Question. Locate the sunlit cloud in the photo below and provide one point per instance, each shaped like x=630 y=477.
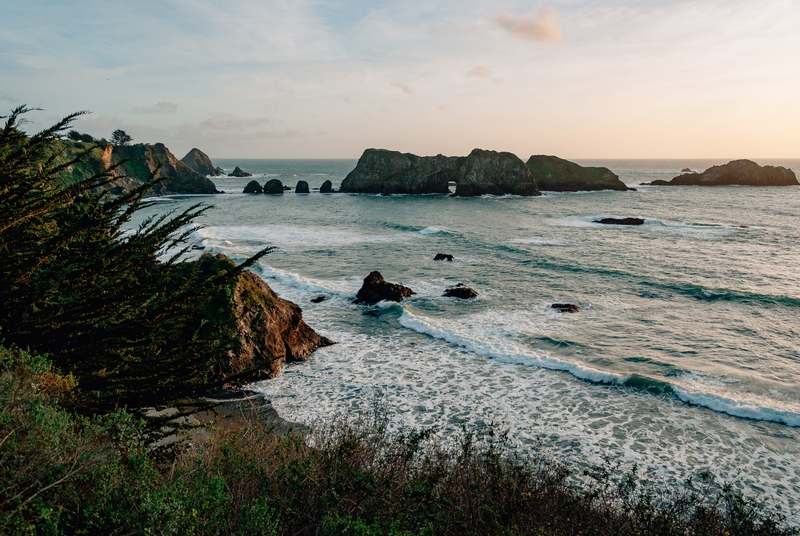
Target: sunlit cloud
x=229 y=122
x=404 y=88
x=541 y=26
x=159 y=108
x=482 y=71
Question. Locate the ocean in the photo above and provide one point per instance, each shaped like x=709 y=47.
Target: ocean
x=684 y=359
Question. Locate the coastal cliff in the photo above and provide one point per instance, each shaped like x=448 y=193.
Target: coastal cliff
x=137 y=162
x=737 y=172
x=479 y=173
x=558 y=175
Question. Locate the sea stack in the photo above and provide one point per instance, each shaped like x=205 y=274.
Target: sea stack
x=737 y=172
x=301 y=188
x=238 y=172
x=375 y=288
x=380 y=171
x=200 y=162
x=558 y=175
x=273 y=187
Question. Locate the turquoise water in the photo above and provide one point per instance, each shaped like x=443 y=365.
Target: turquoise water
x=685 y=358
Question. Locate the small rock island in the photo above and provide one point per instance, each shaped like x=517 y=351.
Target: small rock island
x=555 y=174
x=737 y=172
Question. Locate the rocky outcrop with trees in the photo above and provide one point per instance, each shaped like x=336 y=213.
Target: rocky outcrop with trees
x=380 y=171
x=558 y=175
x=737 y=172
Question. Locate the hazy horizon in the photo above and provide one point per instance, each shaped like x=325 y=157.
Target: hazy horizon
x=621 y=79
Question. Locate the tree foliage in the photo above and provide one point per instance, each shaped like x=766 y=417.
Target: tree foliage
x=116 y=308
x=120 y=137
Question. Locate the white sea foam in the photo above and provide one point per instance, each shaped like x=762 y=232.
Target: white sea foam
x=539 y=241
x=738 y=408
x=502 y=349
x=433 y=230
x=291 y=237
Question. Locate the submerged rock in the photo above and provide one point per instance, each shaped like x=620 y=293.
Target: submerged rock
x=559 y=175
x=318 y=299
x=460 y=291
x=301 y=188
x=620 y=221
x=443 y=257
x=737 y=172
x=253 y=188
x=686 y=170
x=200 y=162
x=567 y=307
x=237 y=172
x=326 y=188
x=376 y=289
x=481 y=172
x=273 y=186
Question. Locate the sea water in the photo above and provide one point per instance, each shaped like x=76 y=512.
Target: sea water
x=685 y=357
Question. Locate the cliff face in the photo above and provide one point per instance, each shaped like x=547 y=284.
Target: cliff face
x=737 y=172
x=558 y=175
x=269 y=331
x=482 y=172
x=200 y=162
x=141 y=161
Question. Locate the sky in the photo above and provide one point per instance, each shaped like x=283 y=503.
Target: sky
x=328 y=79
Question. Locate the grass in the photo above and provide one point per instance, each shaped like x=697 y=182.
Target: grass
x=65 y=474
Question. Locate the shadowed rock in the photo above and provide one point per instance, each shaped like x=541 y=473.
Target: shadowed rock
x=620 y=221
x=567 y=307
x=376 y=289
x=558 y=175
x=200 y=162
x=326 y=188
x=443 y=257
x=481 y=172
x=273 y=186
x=253 y=188
x=318 y=299
x=737 y=172
x=237 y=172
x=301 y=188
x=460 y=291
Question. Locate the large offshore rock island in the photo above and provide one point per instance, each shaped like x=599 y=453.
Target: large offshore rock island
x=135 y=164
x=737 y=172
x=380 y=171
x=558 y=175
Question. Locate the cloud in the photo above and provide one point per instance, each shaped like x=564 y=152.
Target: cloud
x=159 y=108
x=7 y=98
x=229 y=122
x=482 y=71
x=404 y=88
x=542 y=26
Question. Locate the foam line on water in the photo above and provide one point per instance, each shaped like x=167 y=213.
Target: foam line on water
x=506 y=352
x=736 y=408
x=291 y=237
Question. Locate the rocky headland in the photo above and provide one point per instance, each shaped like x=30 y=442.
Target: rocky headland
x=201 y=163
x=269 y=330
x=135 y=165
x=737 y=172
x=558 y=175
x=380 y=171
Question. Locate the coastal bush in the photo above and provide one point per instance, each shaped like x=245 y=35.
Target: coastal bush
x=114 y=307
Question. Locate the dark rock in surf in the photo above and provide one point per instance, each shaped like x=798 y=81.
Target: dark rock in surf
x=253 y=188
x=318 y=299
x=460 y=291
x=686 y=170
x=219 y=171
x=237 y=172
x=567 y=307
x=620 y=221
x=287 y=188
x=558 y=175
x=443 y=257
x=273 y=186
x=326 y=188
x=737 y=172
x=301 y=188
x=376 y=289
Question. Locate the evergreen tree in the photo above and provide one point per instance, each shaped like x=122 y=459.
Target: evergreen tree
x=117 y=309
x=120 y=138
